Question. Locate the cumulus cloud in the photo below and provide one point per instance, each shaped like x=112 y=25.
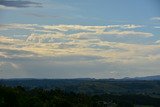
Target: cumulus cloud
x=46 y=38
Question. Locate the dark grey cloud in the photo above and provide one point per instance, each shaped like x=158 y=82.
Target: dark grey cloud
x=19 y=4
x=7 y=53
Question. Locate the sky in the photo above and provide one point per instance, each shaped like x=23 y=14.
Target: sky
x=79 y=38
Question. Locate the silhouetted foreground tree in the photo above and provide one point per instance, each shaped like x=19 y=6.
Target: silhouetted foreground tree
x=20 y=97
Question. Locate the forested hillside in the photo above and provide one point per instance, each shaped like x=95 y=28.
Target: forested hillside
x=20 y=97
x=90 y=86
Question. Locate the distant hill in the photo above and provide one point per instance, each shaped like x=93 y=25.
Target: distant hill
x=91 y=86
x=155 y=77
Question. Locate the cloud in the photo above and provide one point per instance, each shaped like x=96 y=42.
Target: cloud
x=100 y=30
x=46 y=38
x=18 y=26
x=78 y=40
x=157 y=42
x=67 y=27
x=75 y=52
x=2 y=7
x=89 y=28
x=157 y=27
x=124 y=33
x=63 y=45
x=19 y=4
x=11 y=53
x=156 y=18
x=112 y=33
x=80 y=30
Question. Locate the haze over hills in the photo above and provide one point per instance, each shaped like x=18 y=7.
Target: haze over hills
x=155 y=77
x=152 y=77
x=149 y=84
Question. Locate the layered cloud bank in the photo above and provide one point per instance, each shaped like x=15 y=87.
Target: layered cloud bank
x=70 y=51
